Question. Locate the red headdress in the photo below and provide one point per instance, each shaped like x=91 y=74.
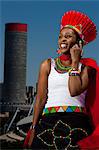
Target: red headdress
x=81 y=23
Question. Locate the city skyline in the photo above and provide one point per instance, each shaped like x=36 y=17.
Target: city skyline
x=43 y=20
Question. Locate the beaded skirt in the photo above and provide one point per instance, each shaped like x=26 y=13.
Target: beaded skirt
x=61 y=131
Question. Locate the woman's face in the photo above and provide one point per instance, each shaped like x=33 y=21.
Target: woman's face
x=67 y=38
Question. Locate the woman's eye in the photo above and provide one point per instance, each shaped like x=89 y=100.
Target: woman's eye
x=59 y=36
x=68 y=36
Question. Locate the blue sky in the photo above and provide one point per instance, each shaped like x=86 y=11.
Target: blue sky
x=43 y=19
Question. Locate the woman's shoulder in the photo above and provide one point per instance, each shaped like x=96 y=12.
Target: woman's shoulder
x=46 y=62
x=46 y=65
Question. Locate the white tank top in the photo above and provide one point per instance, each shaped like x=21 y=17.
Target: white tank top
x=58 y=91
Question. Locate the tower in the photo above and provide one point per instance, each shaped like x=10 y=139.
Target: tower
x=14 y=65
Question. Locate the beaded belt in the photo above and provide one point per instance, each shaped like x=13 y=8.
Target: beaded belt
x=63 y=109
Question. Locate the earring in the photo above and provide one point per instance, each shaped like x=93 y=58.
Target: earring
x=59 y=52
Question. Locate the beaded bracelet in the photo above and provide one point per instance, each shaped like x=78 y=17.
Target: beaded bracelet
x=74 y=74
x=33 y=127
x=74 y=69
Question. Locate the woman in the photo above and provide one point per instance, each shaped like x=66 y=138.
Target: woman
x=60 y=117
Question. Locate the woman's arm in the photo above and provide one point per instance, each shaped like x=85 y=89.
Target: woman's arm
x=41 y=90
x=78 y=84
x=40 y=100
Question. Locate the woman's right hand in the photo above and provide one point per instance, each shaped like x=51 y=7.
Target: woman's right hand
x=29 y=138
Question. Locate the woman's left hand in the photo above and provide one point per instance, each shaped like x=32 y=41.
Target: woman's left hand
x=75 y=52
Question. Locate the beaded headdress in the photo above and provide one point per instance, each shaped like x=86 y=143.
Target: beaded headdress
x=81 y=23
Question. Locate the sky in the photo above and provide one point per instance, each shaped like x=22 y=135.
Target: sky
x=43 y=20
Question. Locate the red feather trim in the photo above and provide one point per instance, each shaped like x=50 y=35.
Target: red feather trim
x=27 y=138
x=77 y=19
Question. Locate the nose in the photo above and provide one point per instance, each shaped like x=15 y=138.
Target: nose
x=64 y=40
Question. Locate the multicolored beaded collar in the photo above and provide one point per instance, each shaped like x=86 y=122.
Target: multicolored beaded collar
x=59 y=66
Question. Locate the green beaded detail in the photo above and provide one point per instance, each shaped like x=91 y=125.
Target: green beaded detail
x=61 y=68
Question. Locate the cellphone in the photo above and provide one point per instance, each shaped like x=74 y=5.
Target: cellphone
x=79 y=41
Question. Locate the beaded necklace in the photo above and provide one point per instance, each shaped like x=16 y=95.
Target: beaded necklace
x=61 y=68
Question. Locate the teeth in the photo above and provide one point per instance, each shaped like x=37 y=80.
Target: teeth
x=63 y=45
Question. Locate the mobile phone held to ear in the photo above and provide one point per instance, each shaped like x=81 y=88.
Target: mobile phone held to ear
x=80 y=42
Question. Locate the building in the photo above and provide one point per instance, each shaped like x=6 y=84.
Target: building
x=30 y=94
x=14 y=85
